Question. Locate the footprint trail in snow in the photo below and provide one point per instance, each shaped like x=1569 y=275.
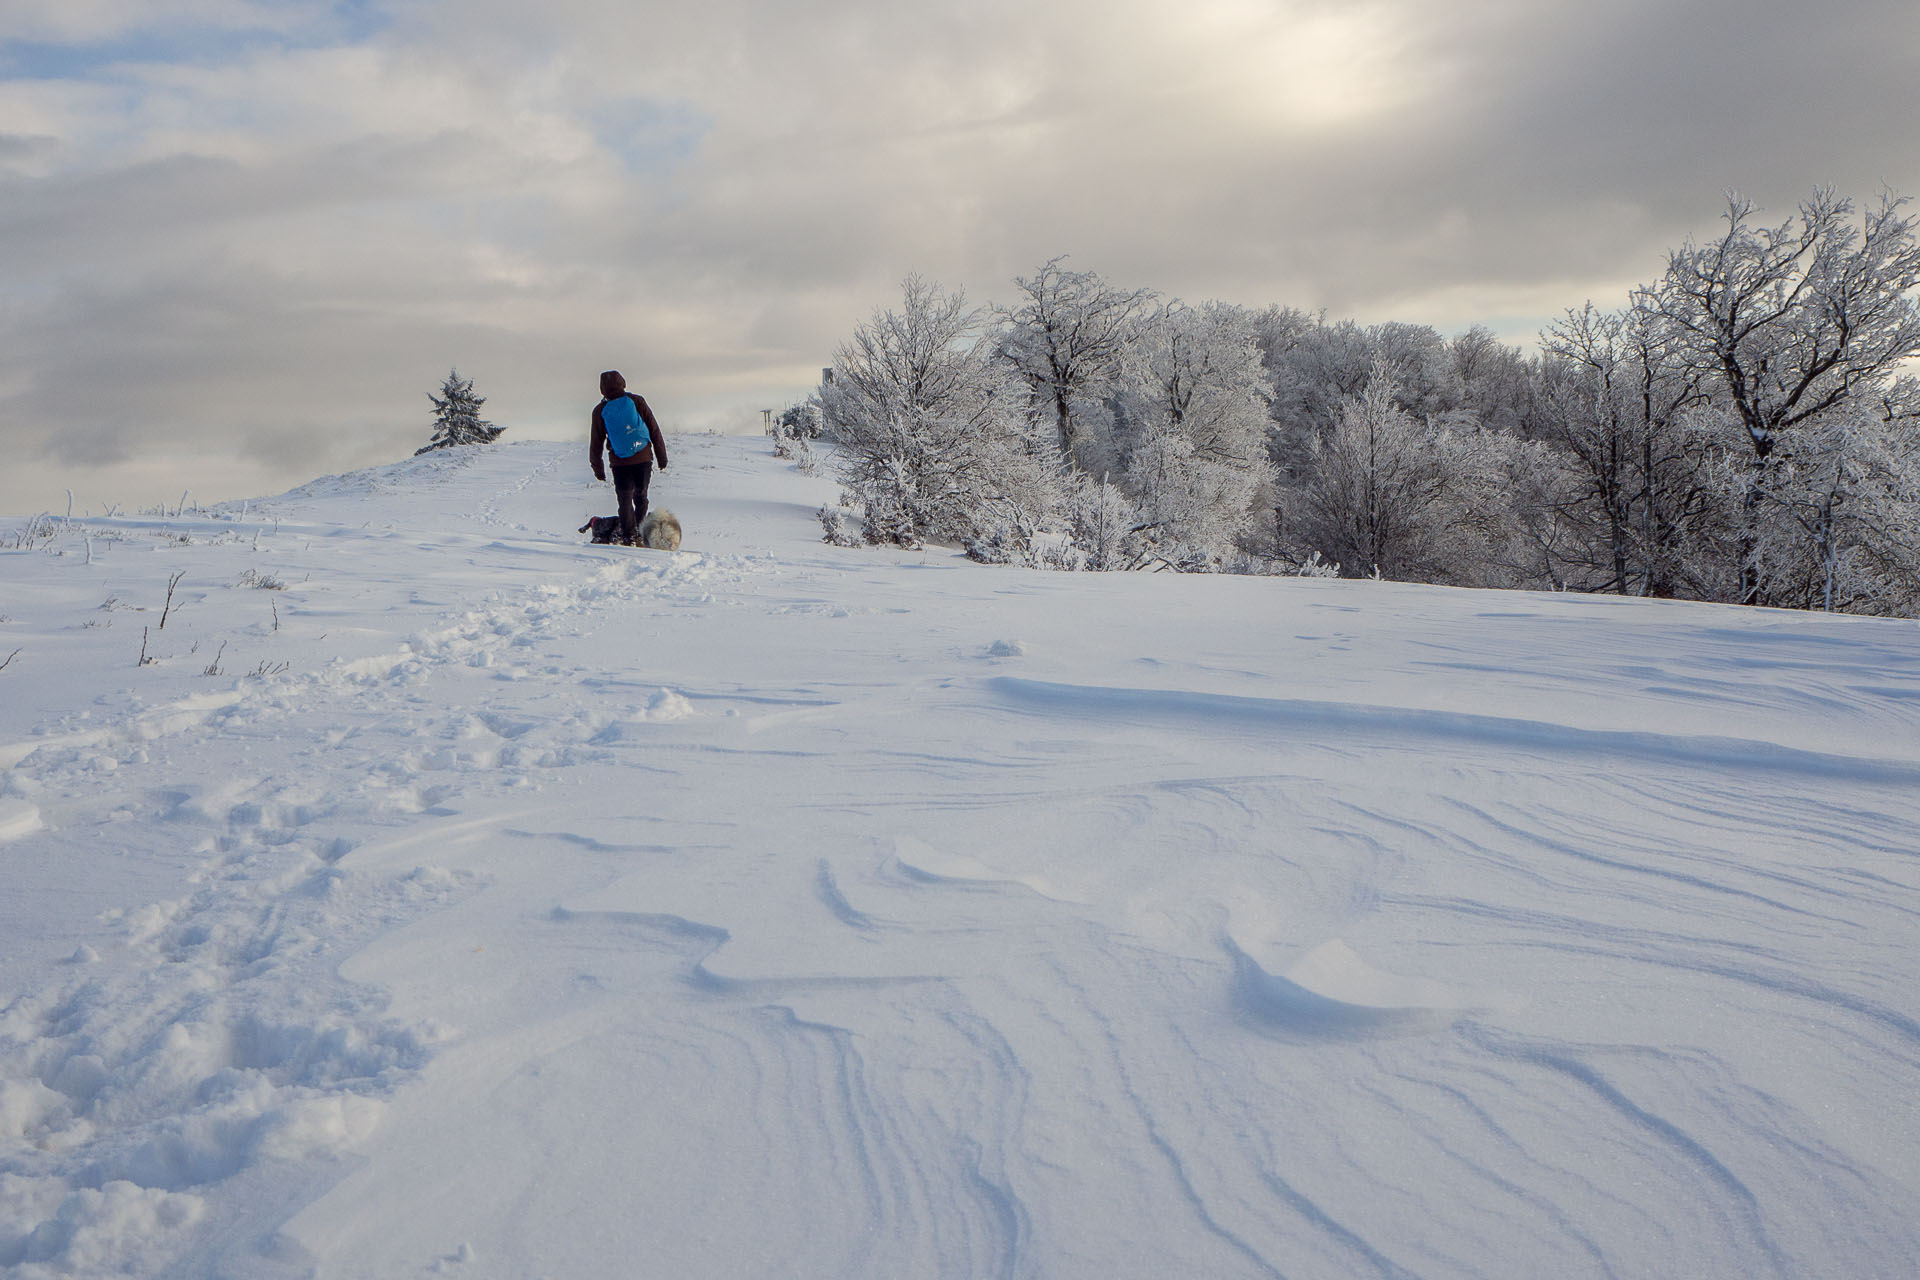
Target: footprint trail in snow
x=772 y=908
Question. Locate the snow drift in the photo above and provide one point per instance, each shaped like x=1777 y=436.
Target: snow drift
x=444 y=894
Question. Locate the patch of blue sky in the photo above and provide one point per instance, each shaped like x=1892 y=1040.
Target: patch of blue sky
x=279 y=25
x=649 y=136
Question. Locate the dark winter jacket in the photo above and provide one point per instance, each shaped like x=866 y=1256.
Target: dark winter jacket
x=654 y=453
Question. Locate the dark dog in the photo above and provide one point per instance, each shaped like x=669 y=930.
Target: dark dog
x=659 y=530
x=603 y=528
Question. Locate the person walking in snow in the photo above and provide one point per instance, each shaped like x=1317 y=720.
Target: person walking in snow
x=625 y=427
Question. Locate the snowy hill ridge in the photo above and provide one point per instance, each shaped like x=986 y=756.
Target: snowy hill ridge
x=445 y=895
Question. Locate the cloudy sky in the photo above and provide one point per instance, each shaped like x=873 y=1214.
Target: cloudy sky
x=240 y=239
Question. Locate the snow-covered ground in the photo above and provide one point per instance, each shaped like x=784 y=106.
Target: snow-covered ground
x=449 y=896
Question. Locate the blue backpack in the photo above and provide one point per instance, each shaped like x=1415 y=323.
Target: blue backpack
x=626 y=433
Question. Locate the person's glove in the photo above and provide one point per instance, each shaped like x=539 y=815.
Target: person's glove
x=599 y=473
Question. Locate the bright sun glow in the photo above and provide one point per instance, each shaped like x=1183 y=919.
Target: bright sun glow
x=1311 y=68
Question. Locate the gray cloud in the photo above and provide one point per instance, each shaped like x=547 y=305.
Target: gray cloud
x=257 y=266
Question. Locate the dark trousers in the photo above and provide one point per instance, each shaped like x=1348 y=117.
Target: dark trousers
x=630 y=483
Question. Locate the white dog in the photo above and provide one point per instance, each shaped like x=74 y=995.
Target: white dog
x=660 y=530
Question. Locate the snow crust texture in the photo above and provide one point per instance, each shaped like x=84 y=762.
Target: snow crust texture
x=446 y=896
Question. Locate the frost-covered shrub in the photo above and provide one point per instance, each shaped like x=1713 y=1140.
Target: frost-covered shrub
x=1314 y=567
x=837 y=526
x=793 y=430
x=802 y=421
x=1026 y=518
x=799 y=452
x=1103 y=521
x=1006 y=539
x=893 y=512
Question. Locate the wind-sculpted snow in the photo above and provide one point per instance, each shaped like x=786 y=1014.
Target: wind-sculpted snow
x=506 y=906
x=1386 y=725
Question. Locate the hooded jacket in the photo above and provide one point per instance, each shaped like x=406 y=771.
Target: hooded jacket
x=655 y=452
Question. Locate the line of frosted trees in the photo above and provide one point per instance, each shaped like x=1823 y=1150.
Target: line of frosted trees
x=1740 y=430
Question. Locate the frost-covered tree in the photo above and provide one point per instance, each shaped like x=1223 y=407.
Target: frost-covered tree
x=456 y=416
x=1526 y=531
x=1104 y=526
x=1026 y=517
x=1314 y=368
x=921 y=411
x=1390 y=495
x=1492 y=381
x=1849 y=487
x=1718 y=438
x=1191 y=439
x=1066 y=339
x=1789 y=323
x=1613 y=397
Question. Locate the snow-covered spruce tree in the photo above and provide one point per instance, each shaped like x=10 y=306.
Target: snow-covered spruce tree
x=1191 y=440
x=1786 y=324
x=456 y=416
x=922 y=413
